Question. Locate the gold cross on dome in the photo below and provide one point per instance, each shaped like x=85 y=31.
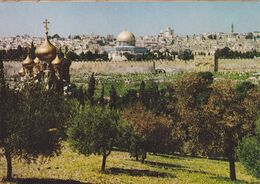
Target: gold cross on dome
x=46 y=22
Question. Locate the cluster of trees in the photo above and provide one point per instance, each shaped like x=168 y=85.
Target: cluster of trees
x=227 y=53
x=87 y=56
x=152 y=55
x=251 y=36
x=193 y=116
x=186 y=55
x=16 y=54
x=164 y=55
x=212 y=36
x=171 y=55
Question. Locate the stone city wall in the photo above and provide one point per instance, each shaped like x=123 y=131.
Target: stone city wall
x=199 y=64
x=240 y=65
x=129 y=67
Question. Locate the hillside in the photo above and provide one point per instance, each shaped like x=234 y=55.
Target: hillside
x=71 y=168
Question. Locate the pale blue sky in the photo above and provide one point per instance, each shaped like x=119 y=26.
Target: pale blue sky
x=140 y=18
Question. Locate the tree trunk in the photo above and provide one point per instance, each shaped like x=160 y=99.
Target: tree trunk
x=136 y=155
x=143 y=157
x=9 y=165
x=104 y=163
x=215 y=62
x=232 y=168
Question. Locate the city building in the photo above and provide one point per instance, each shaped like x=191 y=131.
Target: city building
x=125 y=45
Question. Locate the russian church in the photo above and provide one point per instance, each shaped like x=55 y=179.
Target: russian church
x=49 y=66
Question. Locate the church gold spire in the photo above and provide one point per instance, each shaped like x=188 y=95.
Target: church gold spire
x=46 y=22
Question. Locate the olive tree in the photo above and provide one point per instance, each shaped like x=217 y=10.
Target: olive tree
x=32 y=122
x=95 y=130
x=190 y=122
x=150 y=132
x=232 y=112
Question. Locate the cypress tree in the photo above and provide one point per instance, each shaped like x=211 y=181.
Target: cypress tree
x=32 y=51
x=2 y=79
x=101 y=99
x=91 y=89
x=142 y=92
x=2 y=89
x=81 y=96
x=113 y=97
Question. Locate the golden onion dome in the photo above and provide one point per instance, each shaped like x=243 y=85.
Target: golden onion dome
x=125 y=36
x=46 y=51
x=37 y=60
x=56 y=61
x=27 y=62
x=21 y=72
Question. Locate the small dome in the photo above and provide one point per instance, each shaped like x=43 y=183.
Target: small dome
x=36 y=60
x=46 y=51
x=21 y=72
x=56 y=61
x=27 y=62
x=126 y=36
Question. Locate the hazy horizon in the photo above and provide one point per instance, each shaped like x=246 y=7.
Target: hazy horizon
x=140 y=18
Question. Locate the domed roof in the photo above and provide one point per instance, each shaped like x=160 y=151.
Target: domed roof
x=27 y=62
x=46 y=51
x=56 y=61
x=125 y=36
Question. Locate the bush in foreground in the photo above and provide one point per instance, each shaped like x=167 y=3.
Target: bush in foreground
x=249 y=152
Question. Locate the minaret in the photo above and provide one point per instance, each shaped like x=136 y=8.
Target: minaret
x=232 y=28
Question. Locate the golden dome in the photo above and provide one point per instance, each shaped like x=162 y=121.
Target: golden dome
x=27 y=62
x=56 y=61
x=126 y=36
x=21 y=72
x=37 y=60
x=46 y=51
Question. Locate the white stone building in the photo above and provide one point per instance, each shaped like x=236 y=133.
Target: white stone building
x=125 y=43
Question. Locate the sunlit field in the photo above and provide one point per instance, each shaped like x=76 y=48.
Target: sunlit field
x=72 y=168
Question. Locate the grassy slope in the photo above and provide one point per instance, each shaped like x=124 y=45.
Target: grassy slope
x=72 y=168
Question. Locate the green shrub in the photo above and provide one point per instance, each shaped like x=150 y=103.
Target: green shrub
x=249 y=152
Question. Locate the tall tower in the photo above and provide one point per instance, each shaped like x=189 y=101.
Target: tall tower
x=232 y=28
